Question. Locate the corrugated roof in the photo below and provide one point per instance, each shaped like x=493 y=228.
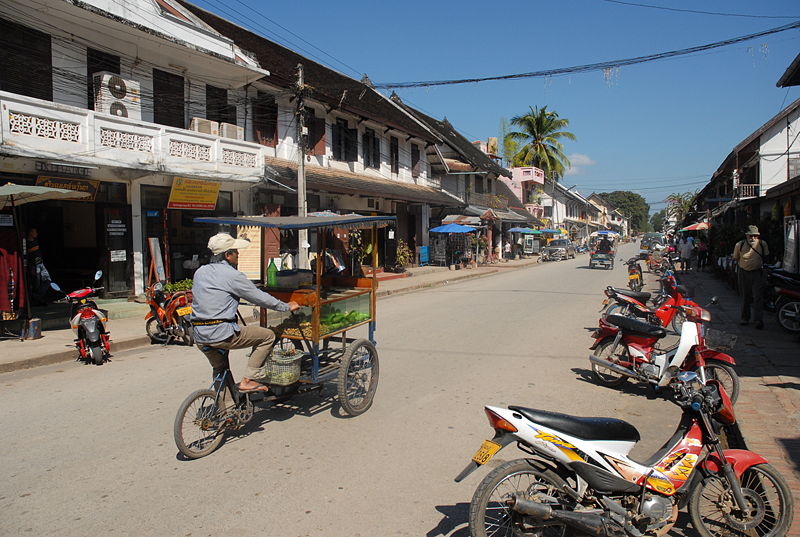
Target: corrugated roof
x=301 y=222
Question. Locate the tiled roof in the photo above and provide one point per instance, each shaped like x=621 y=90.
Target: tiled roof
x=334 y=89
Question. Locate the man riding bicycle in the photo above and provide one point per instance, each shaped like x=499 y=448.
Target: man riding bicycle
x=217 y=288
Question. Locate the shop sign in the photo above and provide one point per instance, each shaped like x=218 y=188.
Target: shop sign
x=250 y=258
x=119 y=255
x=193 y=194
x=6 y=220
x=78 y=185
x=116 y=228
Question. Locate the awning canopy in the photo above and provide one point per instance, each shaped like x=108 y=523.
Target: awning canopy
x=491 y=213
x=301 y=222
x=452 y=228
x=14 y=194
x=696 y=227
x=461 y=219
x=525 y=231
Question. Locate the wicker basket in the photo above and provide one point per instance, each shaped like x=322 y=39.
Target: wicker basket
x=717 y=339
x=283 y=366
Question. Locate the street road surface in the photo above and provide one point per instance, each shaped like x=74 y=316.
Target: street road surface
x=89 y=450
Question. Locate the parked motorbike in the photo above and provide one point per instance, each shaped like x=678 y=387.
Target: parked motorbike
x=627 y=348
x=168 y=318
x=783 y=297
x=88 y=322
x=579 y=475
x=635 y=280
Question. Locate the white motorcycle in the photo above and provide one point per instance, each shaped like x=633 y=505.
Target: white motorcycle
x=579 y=476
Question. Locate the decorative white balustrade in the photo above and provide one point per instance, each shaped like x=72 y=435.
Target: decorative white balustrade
x=45 y=130
x=747 y=191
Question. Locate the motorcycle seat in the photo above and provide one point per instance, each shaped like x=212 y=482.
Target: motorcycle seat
x=641 y=296
x=584 y=428
x=634 y=326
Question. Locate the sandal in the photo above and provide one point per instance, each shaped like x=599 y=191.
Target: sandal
x=259 y=388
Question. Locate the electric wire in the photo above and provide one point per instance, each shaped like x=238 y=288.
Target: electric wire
x=703 y=12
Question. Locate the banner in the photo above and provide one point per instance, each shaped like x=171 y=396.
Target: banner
x=193 y=194
x=78 y=185
x=250 y=258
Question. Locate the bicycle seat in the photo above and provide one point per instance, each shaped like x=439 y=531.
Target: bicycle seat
x=634 y=327
x=641 y=296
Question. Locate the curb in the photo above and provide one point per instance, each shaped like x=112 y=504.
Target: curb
x=69 y=355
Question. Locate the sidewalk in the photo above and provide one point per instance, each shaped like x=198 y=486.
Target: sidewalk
x=127 y=319
x=768 y=365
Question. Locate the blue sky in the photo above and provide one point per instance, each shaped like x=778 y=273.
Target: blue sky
x=652 y=128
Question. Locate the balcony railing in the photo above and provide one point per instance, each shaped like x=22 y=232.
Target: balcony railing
x=747 y=191
x=45 y=130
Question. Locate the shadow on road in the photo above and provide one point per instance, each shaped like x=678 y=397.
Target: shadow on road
x=637 y=389
x=455 y=520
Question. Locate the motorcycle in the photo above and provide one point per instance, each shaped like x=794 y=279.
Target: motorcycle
x=635 y=280
x=168 y=318
x=88 y=322
x=627 y=348
x=578 y=475
x=783 y=297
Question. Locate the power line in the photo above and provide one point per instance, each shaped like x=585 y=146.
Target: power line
x=593 y=66
x=703 y=12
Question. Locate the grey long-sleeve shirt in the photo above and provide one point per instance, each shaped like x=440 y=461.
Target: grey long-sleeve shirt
x=217 y=288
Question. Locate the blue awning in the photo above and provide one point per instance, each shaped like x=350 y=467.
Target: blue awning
x=452 y=228
x=525 y=231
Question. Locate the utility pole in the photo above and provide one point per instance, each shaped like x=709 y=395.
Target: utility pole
x=302 y=133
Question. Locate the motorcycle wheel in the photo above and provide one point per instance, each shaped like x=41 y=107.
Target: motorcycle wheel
x=489 y=514
x=789 y=316
x=677 y=321
x=713 y=510
x=604 y=376
x=97 y=355
x=186 y=330
x=153 y=329
x=199 y=425
x=725 y=374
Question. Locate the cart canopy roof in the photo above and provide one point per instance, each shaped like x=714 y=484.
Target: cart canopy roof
x=302 y=222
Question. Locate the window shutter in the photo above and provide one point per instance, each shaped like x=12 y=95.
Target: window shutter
x=337 y=140
x=365 y=149
x=394 y=154
x=316 y=136
x=376 y=152
x=265 y=120
x=350 y=145
x=416 y=164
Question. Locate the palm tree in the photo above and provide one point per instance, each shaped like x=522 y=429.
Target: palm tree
x=540 y=131
x=679 y=205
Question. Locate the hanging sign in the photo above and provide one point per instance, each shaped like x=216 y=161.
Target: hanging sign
x=193 y=194
x=78 y=185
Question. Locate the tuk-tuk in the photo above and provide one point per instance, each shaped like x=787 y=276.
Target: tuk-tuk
x=601 y=259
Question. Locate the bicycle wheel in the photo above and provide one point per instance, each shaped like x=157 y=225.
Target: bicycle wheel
x=726 y=375
x=607 y=377
x=199 y=425
x=358 y=377
x=489 y=514
x=714 y=512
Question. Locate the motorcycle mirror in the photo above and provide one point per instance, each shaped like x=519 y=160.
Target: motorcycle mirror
x=98 y=275
x=158 y=286
x=54 y=285
x=714 y=300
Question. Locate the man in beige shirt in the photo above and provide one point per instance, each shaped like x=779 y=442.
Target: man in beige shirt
x=750 y=255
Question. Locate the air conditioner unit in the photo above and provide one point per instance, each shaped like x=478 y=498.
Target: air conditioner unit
x=229 y=130
x=201 y=124
x=116 y=95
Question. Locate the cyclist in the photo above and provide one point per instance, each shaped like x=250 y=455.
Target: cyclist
x=216 y=289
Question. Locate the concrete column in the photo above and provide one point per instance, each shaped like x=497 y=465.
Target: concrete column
x=137 y=231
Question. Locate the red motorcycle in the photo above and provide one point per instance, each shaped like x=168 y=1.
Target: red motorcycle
x=168 y=318
x=88 y=322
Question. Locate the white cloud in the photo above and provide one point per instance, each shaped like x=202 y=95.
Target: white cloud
x=578 y=161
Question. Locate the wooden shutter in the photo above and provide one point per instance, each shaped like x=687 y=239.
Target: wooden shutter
x=336 y=139
x=376 y=152
x=416 y=163
x=316 y=136
x=26 y=65
x=265 y=120
x=366 y=148
x=350 y=145
x=394 y=154
x=168 y=99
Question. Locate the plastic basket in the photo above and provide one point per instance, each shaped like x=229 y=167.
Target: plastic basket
x=717 y=339
x=283 y=366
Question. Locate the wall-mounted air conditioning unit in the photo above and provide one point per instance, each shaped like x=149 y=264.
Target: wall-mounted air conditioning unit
x=229 y=130
x=116 y=95
x=201 y=124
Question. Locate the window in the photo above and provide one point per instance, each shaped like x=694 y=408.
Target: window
x=96 y=61
x=478 y=184
x=26 y=64
x=345 y=142
x=371 y=149
x=265 y=120
x=794 y=167
x=316 y=133
x=394 y=154
x=168 y=99
x=416 y=162
x=217 y=107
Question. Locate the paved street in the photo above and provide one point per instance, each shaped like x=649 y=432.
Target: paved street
x=89 y=450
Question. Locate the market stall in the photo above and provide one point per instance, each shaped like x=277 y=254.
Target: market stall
x=452 y=244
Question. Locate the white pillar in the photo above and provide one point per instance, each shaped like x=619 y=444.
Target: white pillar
x=137 y=230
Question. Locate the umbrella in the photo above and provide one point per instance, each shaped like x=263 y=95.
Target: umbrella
x=550 y=231
x=524 y=230
x=452 y=228
x=15 y=195
x=696 y=227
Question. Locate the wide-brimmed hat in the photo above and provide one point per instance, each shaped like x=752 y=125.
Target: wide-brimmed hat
x=752 y=230
x=222 y=242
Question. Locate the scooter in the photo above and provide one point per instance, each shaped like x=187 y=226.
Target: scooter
x=168 y=318
x=88 y=322
x=578 y=474
x=635 y=280
x=627 y=348
x=783 y=292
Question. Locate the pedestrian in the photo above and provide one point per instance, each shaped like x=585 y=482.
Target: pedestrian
x=686 y=251
x=507 y=249
x=702 y=253
x=39 y=276
x=750 y=255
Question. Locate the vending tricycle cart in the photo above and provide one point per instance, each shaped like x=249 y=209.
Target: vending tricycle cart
x=313 y=345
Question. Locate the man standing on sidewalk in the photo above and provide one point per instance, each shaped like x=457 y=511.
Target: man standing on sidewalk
x=750 y=255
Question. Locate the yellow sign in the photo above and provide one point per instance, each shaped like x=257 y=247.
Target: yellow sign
x=78 y=185
x=193 y=194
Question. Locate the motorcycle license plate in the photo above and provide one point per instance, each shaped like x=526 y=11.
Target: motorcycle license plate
x=633 y=277
x=486 y=452
x=186 y=310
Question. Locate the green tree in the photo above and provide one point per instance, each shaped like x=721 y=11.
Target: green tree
x=632 y=205
x=679 y=205
x=657 y=220
x=540 y=131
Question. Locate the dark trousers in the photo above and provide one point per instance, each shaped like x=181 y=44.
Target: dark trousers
x=752 y=287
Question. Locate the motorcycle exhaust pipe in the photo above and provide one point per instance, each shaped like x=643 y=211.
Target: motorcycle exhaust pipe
x=589 y=523
x=612 y=366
